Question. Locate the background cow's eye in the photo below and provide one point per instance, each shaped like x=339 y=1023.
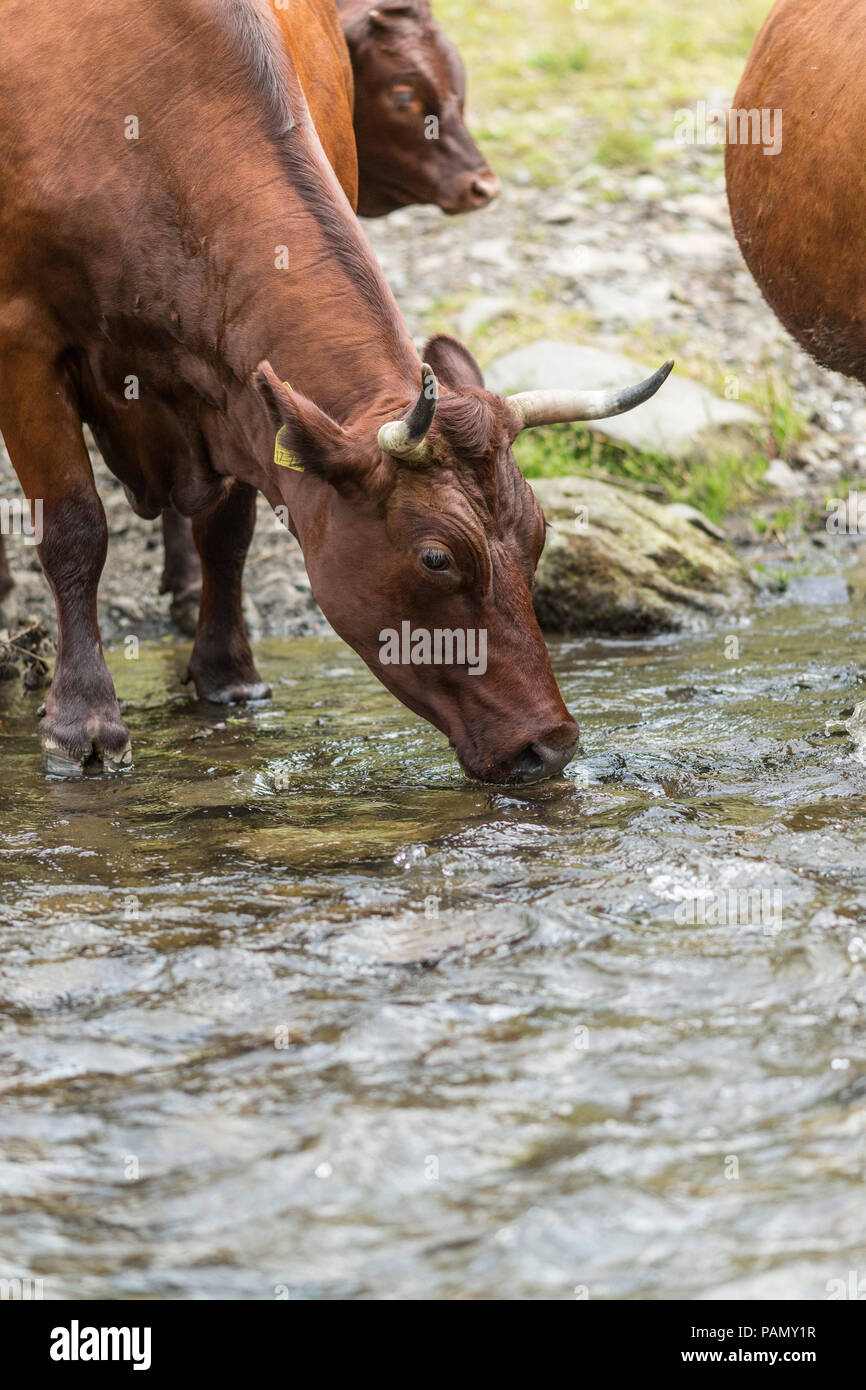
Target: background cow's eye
x=435 y=560
x=403 y=96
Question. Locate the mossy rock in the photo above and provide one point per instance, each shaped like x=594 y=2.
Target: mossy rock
x=617 y=564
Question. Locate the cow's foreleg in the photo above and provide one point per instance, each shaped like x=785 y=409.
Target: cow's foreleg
x=43 y=435
x=221 y=664
x=6 y=581
x=181 y=575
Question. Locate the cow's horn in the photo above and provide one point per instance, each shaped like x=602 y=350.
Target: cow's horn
x=406 y=438
x=561 y=407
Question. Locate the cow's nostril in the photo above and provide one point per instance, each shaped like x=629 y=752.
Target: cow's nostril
x=529 y=766
x=546 y=756
x=485 y=187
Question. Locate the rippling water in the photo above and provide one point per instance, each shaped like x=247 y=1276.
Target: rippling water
x=296 y=1011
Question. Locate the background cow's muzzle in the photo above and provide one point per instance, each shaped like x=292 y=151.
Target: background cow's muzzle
x=473 y=190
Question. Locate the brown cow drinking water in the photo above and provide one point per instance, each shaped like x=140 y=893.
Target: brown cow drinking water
x=174 y=221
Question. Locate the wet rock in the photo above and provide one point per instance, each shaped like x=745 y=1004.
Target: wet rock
x=26 y=652
x=618 y=564
x=679 y=418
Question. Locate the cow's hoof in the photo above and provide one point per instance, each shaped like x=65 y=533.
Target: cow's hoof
x=119 y=764
x=70 y=746
x=56 y=763
x=238 y=693
x=184 y=610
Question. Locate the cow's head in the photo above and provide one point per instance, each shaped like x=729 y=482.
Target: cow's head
x=410 y=87
x=424 y=525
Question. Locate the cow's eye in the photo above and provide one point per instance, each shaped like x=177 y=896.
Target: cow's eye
x=403 y=96
x=436 y=560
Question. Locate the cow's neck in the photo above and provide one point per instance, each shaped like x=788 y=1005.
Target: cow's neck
x=321 y=312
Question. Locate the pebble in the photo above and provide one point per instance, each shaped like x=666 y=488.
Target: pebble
x=781 y=477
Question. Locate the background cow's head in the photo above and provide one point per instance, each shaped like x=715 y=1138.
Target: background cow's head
x=426 y=520
x=410 y=87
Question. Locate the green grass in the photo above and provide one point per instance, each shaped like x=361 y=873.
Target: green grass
x=552 y=85
x=716 y=484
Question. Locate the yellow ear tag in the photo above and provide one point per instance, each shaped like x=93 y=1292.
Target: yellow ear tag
x=283 y=457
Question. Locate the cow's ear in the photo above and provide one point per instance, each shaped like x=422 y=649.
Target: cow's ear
x=453 y=364
x=306 y=440
x=379 y=15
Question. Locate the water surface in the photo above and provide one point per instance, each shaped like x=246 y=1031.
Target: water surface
x=296 y=1011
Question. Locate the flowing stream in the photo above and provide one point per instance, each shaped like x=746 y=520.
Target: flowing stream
x=296 y=1011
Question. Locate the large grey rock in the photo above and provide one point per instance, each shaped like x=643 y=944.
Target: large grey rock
x=617 y=564
x=679 y=417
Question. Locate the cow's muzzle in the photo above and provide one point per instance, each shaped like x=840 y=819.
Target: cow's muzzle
x=475 y=190
x=541 y=758
x=546 y=756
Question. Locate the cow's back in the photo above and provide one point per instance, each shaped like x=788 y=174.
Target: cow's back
x=115 y=117
x=798 y=214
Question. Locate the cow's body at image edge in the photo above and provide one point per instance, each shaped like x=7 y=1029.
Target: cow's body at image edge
x=798 y=214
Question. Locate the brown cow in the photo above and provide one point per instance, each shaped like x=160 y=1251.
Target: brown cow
x=797 y=213
x=172 y=222
x=410 y=90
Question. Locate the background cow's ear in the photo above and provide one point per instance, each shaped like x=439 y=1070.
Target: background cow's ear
x=453 y=364
x=380 y=14
x=319 y=444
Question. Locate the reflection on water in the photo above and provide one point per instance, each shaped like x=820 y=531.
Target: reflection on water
x=297 y=1008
